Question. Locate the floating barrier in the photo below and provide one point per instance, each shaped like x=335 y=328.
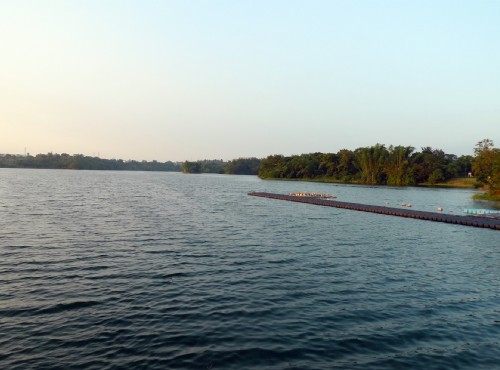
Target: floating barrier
x=478 y=211
x=472 y=220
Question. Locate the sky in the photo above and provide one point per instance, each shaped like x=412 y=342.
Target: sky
x=208 y=79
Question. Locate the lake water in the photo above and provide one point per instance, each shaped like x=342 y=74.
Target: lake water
x=134 y=270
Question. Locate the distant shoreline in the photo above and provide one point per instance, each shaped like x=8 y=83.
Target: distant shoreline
x=81 y=162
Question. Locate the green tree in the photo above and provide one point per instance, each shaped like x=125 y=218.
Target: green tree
x=463 y=165
x=191 y=167
x=398 y=166
x=436 y=176
x=427 y=162
x=272 y=167
x=483 y=160
x=346 y=169
x=494 y=183
x=371 y=162
x=328 y=165
x=243 y=166
x=486 y=166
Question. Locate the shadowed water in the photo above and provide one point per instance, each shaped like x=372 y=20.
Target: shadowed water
x=131 y=270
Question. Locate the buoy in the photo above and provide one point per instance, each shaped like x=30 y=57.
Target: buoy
x=408 y=205
x=440 y=209
x=403 y=204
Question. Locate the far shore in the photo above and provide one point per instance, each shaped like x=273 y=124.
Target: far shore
x=459 y=182
x=455 y=183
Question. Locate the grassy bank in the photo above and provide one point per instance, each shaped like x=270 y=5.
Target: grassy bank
x=486 y=196
x=458 y=182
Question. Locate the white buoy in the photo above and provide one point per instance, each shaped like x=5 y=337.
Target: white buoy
x=440 y=209
x=408 y=205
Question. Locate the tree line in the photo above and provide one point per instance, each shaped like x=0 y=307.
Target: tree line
x=240 y=166
x=377 y=164
x=393 y=165
x=81 y=162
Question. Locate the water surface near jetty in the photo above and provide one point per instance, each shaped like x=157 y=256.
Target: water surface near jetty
x=121 y=270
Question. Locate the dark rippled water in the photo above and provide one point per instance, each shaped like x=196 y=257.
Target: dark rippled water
x=122 y=270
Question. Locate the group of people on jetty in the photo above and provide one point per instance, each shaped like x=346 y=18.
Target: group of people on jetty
x=313 y=195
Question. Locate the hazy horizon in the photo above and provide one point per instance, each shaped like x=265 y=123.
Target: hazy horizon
x=99 y=155
x=176 y=80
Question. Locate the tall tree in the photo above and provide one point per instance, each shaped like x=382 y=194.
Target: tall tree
x=272 y=166
x=397 y=168
x=484 y=160
x=494 y=189
x=328 y=164
x=346 y=169
x=371 y=161
x=430 y=166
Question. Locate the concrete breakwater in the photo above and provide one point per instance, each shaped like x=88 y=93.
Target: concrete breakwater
x=474 y=221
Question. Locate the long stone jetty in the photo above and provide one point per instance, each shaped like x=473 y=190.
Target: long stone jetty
x=485 y=221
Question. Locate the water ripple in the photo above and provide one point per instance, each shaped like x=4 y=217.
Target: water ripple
x=106 y=270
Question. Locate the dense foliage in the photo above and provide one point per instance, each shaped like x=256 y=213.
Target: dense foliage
x=486 y=166
x=81 y=162
x=243 y=166
x=240 y=166
x=395 y=165
x=203 y=166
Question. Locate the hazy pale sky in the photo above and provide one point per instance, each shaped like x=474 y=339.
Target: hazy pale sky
x=177 y=80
